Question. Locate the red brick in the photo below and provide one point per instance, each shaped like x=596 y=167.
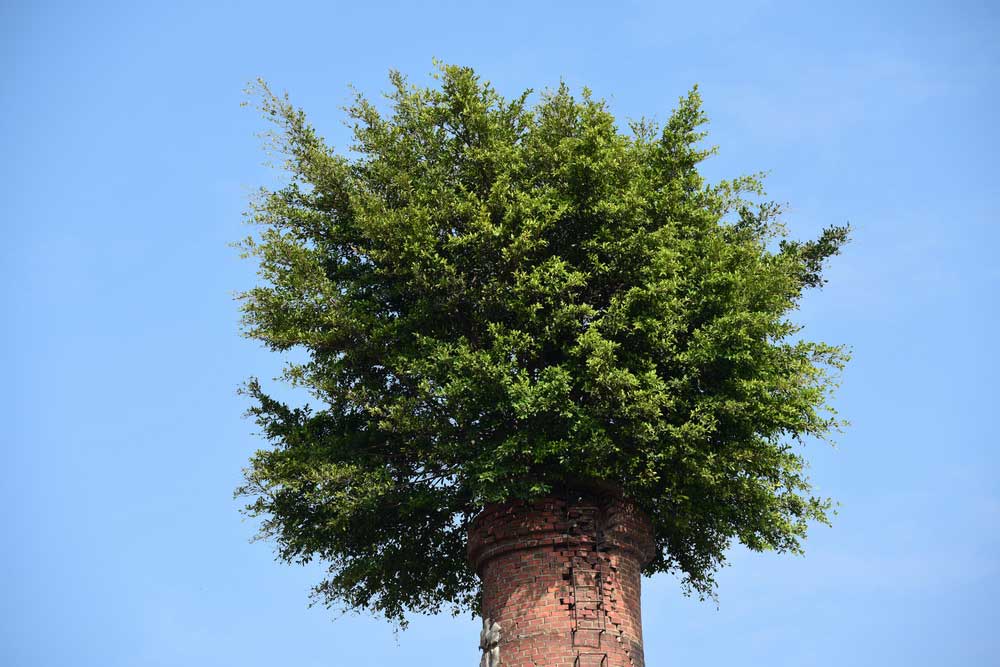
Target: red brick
x=529 y=556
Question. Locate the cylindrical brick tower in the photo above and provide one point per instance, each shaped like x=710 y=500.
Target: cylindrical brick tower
x=561 y=580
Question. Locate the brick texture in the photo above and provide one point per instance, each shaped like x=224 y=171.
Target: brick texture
x=562 y=579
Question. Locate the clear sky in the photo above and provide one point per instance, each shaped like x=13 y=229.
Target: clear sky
x=127 y=162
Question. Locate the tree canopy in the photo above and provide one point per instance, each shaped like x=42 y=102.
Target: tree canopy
x=508 y=298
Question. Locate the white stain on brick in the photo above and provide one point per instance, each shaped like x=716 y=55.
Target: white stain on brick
x=489 y=642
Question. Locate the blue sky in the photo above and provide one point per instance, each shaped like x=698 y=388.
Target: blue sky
x=127 y=164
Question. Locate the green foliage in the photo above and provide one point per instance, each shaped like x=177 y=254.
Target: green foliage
x=501 y=300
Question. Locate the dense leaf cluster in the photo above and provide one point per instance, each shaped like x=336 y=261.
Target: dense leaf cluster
x=502 y=300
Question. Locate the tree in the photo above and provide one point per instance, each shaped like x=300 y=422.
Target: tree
x=499 y=300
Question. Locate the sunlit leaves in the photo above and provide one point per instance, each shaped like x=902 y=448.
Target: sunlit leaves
x=500 y=300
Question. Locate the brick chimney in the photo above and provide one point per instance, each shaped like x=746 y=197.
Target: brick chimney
x=561 y=580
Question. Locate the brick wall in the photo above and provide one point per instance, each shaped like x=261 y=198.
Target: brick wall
x=561 y=582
